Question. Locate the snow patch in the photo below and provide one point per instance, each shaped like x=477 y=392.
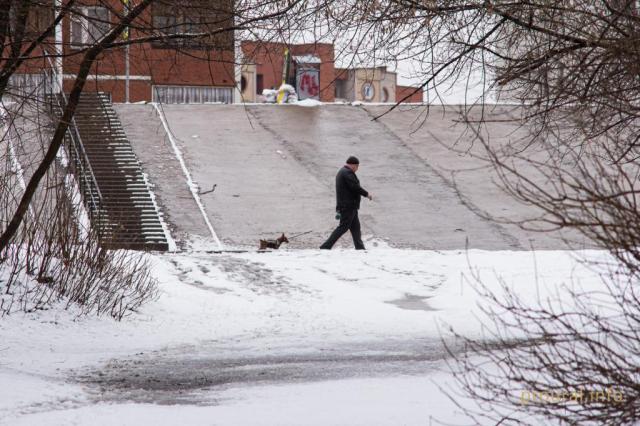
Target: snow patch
x=16 y=167
x=309 y=103
x=167 y=233
x=262 y=305
x=79 y=210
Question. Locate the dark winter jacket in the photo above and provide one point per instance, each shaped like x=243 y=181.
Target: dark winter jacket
x=348 y=190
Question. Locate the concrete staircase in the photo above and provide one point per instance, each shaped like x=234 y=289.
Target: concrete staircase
x=112 y=183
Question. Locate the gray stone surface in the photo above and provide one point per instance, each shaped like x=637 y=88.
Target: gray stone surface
x=30 y=134
x=274 y=168
x=447 y=146
x=169 y=184
x=261 y=188
x=413 y=206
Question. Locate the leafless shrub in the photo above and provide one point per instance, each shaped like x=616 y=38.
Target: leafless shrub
x=568 y=358
x=44 y=256
x=54 y=259
x=572 y=358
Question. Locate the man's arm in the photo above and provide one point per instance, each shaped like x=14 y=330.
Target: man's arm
x=354 y=185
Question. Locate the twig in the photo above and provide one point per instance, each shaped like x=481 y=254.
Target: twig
x=213 y=188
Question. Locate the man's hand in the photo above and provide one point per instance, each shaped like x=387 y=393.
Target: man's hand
x=370 y=197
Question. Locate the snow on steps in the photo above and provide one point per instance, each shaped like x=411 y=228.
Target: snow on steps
x=129 y=216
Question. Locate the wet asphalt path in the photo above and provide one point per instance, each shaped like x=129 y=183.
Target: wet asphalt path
x=195 y=375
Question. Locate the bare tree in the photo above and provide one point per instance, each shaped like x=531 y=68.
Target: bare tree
x=573 y=69
x=57 y=257
x=43 y=249
x=22 y=48
x=572 y=66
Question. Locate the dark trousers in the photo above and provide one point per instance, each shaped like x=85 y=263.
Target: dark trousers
x=348 y=222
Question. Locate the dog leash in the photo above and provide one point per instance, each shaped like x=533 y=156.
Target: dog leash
x=298 y=235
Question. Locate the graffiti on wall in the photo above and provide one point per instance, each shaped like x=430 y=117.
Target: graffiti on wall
x=308 y=83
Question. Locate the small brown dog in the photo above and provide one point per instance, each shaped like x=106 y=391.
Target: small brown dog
x=273 y=244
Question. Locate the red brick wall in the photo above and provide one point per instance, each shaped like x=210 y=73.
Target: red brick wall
x=402 y=91
x=158 y=65
x=269 y=60
x=198 y=68
x=138 y=90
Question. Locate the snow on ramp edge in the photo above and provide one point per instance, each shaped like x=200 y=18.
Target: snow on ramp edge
x=193 y=187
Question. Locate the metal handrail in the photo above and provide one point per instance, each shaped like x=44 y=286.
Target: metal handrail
x=82 y=160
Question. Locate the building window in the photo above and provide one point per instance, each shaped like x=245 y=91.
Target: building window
x=385 y=94
x=32 y=20
x=166 y=24
x=89 y=26
x=194 y=17
x=192 y=95
x=259 y=84
x=342 y=89
x=40 y=18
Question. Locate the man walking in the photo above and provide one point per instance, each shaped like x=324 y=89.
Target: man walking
x=348 y=193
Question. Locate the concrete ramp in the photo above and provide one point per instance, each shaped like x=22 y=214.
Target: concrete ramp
x=273 y=168
x=151 y=145
x=261 y=189
x=445 y=144
x=413 y=206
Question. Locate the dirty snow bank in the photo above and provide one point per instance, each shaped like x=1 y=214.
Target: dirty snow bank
x=309 y=103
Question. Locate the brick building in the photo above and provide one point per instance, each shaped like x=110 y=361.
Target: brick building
x=372 y=85
x=311 y=73
x=171 y=70
x=414 y=96
x=314 y=75
x=179 y=70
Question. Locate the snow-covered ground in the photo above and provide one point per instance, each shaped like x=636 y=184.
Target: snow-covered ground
x=279 y=338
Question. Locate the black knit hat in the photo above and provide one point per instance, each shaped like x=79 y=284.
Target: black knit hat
x=353 y=160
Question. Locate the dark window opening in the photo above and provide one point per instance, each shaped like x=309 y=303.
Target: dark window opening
x=199 y=20
x=341 y=89
x=259 y=84
x=30 y=20
x=87 y=29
